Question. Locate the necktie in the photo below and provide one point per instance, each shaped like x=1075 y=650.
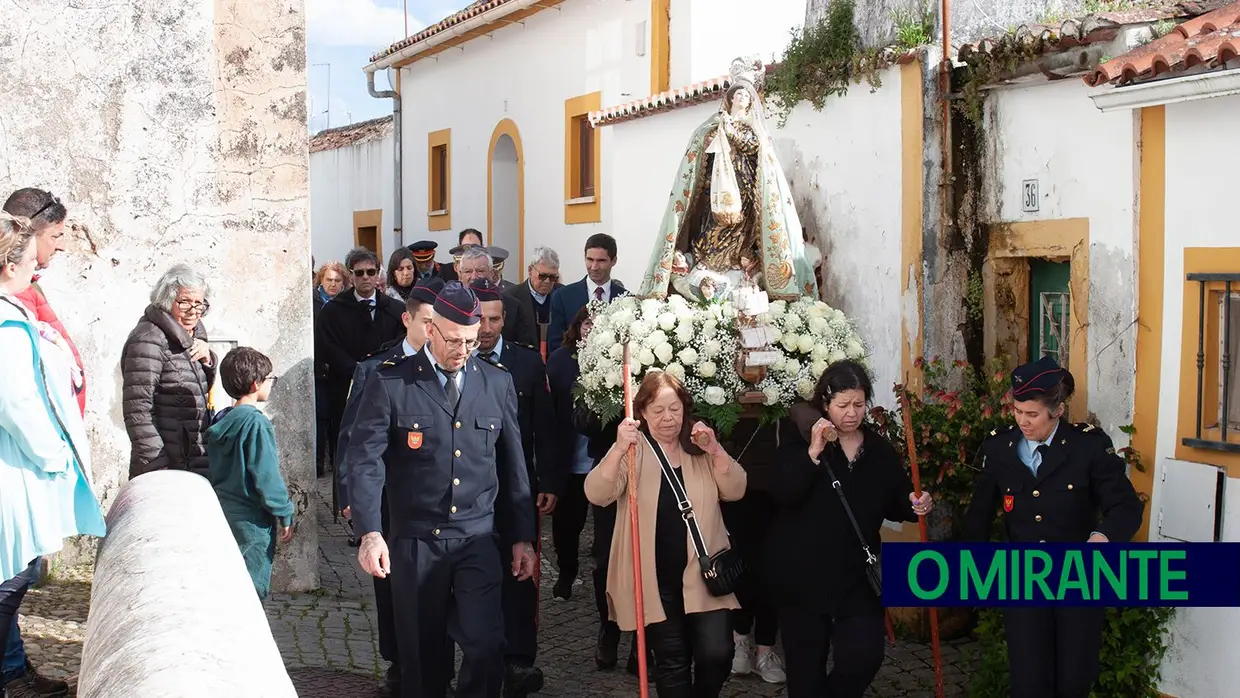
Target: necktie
x=598 y=293
x=493 y=357
x=370 y=304
x=454 y=393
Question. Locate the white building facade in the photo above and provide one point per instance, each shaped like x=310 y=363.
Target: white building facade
x=352 y=190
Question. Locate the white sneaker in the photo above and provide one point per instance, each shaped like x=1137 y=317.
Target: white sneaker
x=771 y=668
x=742 y=661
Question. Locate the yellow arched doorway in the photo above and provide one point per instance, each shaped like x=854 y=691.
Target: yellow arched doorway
x=506 y=196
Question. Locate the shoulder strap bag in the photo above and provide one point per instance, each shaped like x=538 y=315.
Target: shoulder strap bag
x=722 y=571
x=873 y=560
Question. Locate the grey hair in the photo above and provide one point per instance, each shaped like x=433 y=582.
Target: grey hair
x=547 y=256
x=477 y=253
x=179 y=277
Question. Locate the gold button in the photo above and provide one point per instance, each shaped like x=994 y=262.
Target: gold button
x=1041 y=541
x=415 y=425
x=492 y=427
x=458 y=425
x=456 y=481
x=1069 y=487
x=453 y=510
x=436 y=531
x=457 y=453
x=1038 y=518
x=1037 y=494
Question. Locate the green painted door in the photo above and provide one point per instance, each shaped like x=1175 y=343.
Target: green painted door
x=1049 y=310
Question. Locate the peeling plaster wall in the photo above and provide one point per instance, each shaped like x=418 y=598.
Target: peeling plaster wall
x=1086 y=166
x=971 y=20
x=174 y=130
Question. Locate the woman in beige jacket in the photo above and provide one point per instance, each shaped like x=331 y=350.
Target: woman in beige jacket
x=687 y=628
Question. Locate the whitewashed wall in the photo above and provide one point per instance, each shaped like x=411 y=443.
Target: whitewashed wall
x=846 y=183
x=1086 y=165
x=708 y=34
x=1202 y=661
x=348 y=179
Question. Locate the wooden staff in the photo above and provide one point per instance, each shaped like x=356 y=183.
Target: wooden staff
x=542 y=345
x=635 y=535
x=921 y=524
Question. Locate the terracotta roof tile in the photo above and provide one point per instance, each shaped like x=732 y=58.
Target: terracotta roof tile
x=469 y=11
x=353 y=134
x=1210 y=40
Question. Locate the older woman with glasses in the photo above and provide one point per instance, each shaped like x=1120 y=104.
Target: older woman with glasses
x=168 y=369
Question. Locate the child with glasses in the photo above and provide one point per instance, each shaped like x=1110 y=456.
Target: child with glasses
x=244 y=467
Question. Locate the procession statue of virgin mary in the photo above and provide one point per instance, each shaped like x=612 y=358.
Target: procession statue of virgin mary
x=730 y=221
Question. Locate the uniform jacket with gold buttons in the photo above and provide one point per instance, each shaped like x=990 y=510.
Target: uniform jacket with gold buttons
x=442 y=465
x=1081 y=487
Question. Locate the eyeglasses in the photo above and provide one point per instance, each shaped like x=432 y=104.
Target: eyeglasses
x=467 y=344
x=273 y=378
x=200 y=307
x=548 y=277
x=364 y=272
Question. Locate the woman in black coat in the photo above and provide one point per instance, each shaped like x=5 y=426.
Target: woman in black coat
x=815 y=564
x=167 y=371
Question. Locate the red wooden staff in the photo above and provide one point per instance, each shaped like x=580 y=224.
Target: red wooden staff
x=635 y=535
x=921 y=524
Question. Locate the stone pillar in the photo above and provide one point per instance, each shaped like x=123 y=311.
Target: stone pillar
x=174 y=131
x=173 y=611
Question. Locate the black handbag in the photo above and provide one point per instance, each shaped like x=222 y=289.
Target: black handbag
x=721 y=571
x=873 y=561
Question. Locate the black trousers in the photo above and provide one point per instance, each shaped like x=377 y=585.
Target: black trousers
x=448 y=588
x=12 y=591
x=748 y=521
x=1053 y=652
x=808 y=638
x=385 y=612
x=604 y=527
x=567 y=522
x=520 y=613
x=692 y=651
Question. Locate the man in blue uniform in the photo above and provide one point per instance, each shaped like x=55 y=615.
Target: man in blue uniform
x=440 y=430
x=535 y=413
x=424 y=263
x=417 y=317
x=1056 y=483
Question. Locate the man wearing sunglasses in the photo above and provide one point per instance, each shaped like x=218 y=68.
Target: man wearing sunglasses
x=533 y=296
x=353 y=325
x=439 y=430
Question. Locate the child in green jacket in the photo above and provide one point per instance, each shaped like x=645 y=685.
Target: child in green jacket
x=245 y=468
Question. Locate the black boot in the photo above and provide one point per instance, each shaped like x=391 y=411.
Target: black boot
x=520 y=681
x=605 y=653
x=632 y=665
x=391 y=682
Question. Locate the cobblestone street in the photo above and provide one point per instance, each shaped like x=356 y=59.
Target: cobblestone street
x=329 y=640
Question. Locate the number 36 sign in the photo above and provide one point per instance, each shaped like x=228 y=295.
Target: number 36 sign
x=1029 y=196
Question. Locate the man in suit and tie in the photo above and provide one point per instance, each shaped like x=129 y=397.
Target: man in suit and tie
x=534 y=294
x=535 y=414
x=439 y=430
x=596 y=286
x=417 y=318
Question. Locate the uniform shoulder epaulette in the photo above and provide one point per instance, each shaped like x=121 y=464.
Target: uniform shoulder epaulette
x=997 y=431
x=489 y=362
x=394 y=361
x=1085 y=427
x=519 y=344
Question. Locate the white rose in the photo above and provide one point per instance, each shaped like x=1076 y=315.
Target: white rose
x=616 y=352
x=819 y=305
x=791 y=367
x=790 y=341
x=807 y=344
x=792 y=322
x=817 y=368
x=664 y=352
x=818 y=325
x=667 y=321
x=685 y=332
x=613 y=379
x=654 y=339
x=772 y=395
x=714 y=395
x=706 y=369
x=688 y=356
x=805 y=388
x=676 y=370
x=820 y=352
x=814 y=312
x=711 y=348
x=645 y=357
x=729 y=313
x=681 y=310
x=836 y=356
x=777 y=308
x=776 y=335
x=854 y=349
x=638 y=330
x=651 y=307
x=622 y=318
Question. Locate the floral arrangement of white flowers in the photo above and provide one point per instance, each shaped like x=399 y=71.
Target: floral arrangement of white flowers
x=699 y=344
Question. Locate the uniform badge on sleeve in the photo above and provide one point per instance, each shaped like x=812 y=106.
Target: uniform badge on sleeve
x=1008 y=502
x=415 y=440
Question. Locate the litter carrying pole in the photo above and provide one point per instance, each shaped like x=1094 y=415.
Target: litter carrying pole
x=921 y=524
x=635 y=534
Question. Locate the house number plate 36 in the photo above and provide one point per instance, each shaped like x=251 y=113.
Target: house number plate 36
x=1029 y=196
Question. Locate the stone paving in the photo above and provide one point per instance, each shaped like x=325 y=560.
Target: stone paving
x=329 y=641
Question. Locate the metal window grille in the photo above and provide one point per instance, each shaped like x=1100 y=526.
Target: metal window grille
x=1224 y=415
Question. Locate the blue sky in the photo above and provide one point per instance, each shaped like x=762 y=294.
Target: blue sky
x=344 y=34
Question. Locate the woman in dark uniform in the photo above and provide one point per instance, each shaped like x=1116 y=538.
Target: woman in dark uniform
x=1056 y=483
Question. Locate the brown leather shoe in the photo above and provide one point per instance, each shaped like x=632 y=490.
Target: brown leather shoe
x=36 y=685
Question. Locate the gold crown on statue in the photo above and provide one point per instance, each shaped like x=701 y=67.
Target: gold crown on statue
x=748 y=69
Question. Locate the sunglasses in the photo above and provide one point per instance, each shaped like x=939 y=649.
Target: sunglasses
x=55 y=201
x=548 y=277
x=364 y=272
